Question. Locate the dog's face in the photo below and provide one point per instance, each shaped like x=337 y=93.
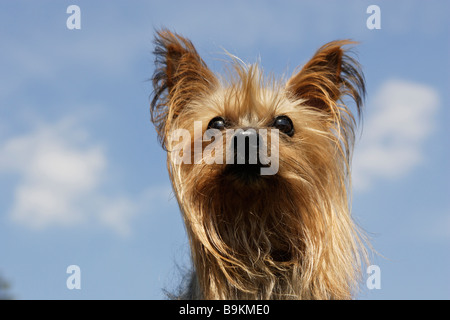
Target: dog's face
x=245 y=136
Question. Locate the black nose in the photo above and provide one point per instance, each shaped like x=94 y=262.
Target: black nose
x=246 y=146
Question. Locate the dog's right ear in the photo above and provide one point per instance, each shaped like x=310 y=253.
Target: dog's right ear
x=180 y=76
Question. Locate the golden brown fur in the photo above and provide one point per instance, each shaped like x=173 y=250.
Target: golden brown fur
x=283 y=236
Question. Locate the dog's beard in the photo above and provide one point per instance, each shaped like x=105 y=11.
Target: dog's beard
x=268 y=236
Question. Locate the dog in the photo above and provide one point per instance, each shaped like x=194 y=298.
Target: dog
x=261 y=169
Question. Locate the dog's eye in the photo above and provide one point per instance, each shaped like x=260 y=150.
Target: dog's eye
x=284 y=124
x=217 y=123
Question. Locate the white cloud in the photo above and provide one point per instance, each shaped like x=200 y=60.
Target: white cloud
x=394 y=133
x=117 y=212
x=61 y=180
x=57 y=169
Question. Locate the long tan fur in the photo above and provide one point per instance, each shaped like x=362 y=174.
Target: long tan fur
x=283 y=236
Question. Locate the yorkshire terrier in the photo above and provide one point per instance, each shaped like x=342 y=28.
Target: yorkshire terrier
x=261 y=171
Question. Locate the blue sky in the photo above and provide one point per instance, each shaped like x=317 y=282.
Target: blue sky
x=83 y=179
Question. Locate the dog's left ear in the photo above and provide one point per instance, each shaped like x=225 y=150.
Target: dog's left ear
x=180 y=76
x=330 y=75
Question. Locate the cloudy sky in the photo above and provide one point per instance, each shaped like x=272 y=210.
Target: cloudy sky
x=83 y=179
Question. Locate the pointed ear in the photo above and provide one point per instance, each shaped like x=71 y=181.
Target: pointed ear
x=330 y=75
x=180 y=76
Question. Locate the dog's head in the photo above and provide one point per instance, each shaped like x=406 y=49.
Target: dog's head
x=250 y=130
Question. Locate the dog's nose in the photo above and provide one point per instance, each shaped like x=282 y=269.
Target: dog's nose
x=246 y=146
